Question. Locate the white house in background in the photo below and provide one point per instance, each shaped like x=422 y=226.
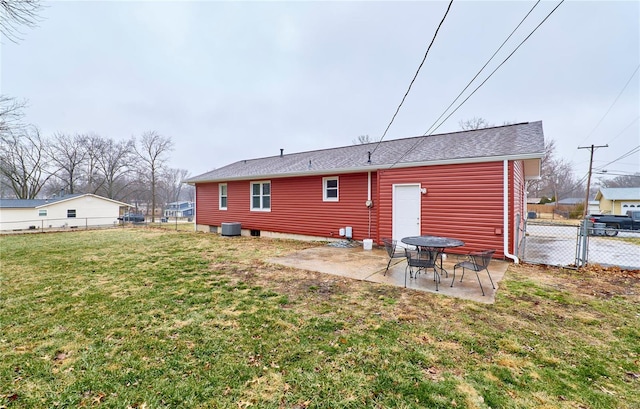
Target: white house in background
x=70 y=211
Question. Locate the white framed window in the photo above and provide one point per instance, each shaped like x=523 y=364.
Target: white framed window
x=261 y=196
x=71 y=213
x=330 y=189
x=42 y=212
x=222 y=189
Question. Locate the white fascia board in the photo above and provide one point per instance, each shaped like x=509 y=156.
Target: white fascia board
x=373 y=168
x=81 y=196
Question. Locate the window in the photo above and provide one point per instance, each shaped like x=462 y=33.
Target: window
x=261 y=196
x=330 y=188
x=222 y=189
x=71 y=213
x=42 y=213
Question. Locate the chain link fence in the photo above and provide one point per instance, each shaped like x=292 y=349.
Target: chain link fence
x=57 y=224
x=569 y=244
x=87 y=223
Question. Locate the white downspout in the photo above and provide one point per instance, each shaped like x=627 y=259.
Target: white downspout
x=505 y=217
x=369 y=200
x=195 y=204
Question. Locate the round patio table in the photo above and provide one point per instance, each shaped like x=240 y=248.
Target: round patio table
x=434 y=244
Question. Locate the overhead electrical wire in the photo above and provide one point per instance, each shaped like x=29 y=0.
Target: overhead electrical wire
x=483 y=67
x=612 y=104
x=478 y=87
x=624 y=130
x=624 y=156
x=615 y=173
x=498 y=67
x=575 y=186
x=414 y=77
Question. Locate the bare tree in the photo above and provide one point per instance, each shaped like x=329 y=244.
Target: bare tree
x=172 y=184
x=94 y=148
x=23 y=163
x=622 y=181
x=479 y=123
x=114 y=164
x=362 y=140
x=17 y=13
x=69 y=153
x=474 y=123
x=10 y=114
x=152 y=152
x=556 y=177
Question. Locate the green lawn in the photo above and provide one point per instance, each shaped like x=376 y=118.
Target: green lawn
x=149 y=318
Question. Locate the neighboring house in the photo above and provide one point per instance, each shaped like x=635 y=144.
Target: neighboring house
x=617 y=200
x=77 y=210
x=179 y=209
x=467 y=185
x=533 y=200
x=571 y=201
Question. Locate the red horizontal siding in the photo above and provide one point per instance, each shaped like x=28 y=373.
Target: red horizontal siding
x=518 y=205
x=462 y=201
x=296 y=206
x=206 y=201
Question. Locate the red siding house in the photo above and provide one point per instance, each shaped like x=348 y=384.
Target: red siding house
x=468 y=185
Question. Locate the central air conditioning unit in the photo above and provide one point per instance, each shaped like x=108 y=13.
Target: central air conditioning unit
x=231 y=229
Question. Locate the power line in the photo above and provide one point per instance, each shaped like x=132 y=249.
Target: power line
x=414 y=77
x=616 y=173
x=483 y=67
x=498 y=67
x=625 y=155
x=415 y=145
x=624 y=130
x=612 y=104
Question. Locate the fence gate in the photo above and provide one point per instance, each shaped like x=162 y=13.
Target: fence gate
x=553 y=244
x=569 y=245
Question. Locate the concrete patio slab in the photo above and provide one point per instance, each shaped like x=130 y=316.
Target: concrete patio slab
x=370 y=265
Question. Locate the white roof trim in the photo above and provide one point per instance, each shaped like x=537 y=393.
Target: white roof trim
x=361 y=169
x=84 y=195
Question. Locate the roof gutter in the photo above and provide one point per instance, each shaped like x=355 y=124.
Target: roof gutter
x=505 y=207
x=370 y=168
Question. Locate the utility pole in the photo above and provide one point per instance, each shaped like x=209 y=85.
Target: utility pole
x=591 y=148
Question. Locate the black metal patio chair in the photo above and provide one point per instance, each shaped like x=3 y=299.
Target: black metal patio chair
x=421 y=259
x=476 y=261
x=392 y=250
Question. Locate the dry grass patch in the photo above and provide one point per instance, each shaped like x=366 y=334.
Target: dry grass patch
x=165 y=319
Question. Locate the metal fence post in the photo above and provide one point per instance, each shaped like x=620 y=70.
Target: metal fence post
x=582 y=246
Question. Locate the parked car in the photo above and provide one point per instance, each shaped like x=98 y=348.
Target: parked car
x=613 y=222
x=132 y=217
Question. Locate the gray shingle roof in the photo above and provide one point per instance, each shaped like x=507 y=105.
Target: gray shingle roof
x=34 y=203
x=621 y=193
x=31 y=203
x=518 y=141
x=571 y=201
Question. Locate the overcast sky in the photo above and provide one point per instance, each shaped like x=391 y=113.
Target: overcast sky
x=237 y=80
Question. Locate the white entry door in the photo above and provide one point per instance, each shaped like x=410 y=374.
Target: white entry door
x=406 y=211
